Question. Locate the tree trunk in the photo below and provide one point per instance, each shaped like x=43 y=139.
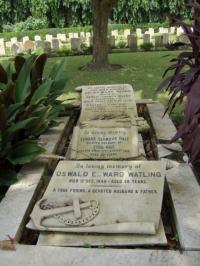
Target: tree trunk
x=101 y=10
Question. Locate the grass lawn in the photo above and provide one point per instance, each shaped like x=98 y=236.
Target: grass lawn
x=143 y=70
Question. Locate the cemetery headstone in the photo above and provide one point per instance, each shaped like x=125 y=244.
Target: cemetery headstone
x=75 y=44
x=37 y=38
x=47 y=47
x=132 y=42
x=29 y=45
x=151 y=31
x=114 y=33
x=49 y=37
x=24 y=39
x=2 y=47
x=158 y=41
x=127 y=32
x=55 y=43
x=38 y=44
x=139 y=32
x=71 y=35
x=13 y=40
x=165 y=38
x=76 y=35
x=16 y=49
x=146 y=38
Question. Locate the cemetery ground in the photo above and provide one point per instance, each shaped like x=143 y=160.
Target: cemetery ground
x=143 y=70
x=181 y=232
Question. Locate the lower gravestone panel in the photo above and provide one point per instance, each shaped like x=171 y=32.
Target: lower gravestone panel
x=113 y=197
x=104 y=143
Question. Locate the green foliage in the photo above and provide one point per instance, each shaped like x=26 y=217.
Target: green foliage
x=147 y=46
x=31 y=23
x=64 y=13
x=28 y=106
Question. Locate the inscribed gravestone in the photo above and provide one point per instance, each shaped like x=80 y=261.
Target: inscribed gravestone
x=104 y=143
x=106 y=102
x=75 y=43
x=55 y=43
x=102 y=197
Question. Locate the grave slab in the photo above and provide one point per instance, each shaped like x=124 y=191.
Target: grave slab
x=105 y=186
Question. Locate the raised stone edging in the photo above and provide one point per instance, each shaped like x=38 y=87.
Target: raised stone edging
x=182 y=182
x=20 y=196
x=59 y=256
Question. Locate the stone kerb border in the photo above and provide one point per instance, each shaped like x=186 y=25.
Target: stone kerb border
x=183 y=185
x=20 y=196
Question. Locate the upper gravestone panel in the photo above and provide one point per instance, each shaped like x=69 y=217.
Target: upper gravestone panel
x=102 y=197
x=106 y=102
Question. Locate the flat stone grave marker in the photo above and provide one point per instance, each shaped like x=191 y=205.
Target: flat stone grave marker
x=107 y=102
x=118 y=197
x=104 y=143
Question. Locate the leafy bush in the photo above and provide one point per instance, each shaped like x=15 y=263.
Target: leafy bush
x=28 y=106
x=31 y=23
x=147 y=46
x=64 y=51
x=183 y=86
x=8 y=27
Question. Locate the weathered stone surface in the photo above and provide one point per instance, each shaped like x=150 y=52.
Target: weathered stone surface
x=127 y=32
x=55 y=43
x=18 y=198
x=158 y=40
x=75 y=43
x=139 y=33
x=132 y=42
x=146 y=38
x=164 y=128
x=134 y=184
x=185 y=193
x=16 y=49
x=37 y=38
x=24 y=39
x=59 y=256
x=63 y=239
x=38 y=44
x=47 y=47
x=29 y=45
x=104 y=143
x=106 y=102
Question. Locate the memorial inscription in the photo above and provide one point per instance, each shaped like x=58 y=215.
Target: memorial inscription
x=104 y=143
x=108 y=102
x=102 y=197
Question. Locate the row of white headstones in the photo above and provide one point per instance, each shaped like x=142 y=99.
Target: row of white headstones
x=159 y=39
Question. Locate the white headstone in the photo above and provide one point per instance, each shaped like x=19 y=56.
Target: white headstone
x=82 y=34
x=151 y=31
x=49 y=37
x=114 y=33
x=71 y=35
x=172 y=30
x=24 y=39
x=2 y=47
x=37 y=38
x=127 y=32
x=13 y=40
x=161 y=30
x=139 y=33
x=76 y=35
x=103 y=197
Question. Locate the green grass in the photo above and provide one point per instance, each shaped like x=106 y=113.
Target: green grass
x=143 y=70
